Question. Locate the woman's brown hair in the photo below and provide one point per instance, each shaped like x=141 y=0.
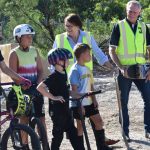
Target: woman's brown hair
x=74 y=19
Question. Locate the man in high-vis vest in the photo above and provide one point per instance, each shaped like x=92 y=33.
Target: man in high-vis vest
x=129 y=47
x=75 y=35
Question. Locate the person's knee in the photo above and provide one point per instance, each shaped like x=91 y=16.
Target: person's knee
x=98 y=122
x=124 y=97
x=98 y=126
x=79 y=128
x=57 y=132
x=124 y=104
x=24 y=120
x=80 y=131
x=43 y=120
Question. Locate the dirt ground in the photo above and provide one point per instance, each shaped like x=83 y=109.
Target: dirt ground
x=109 y=111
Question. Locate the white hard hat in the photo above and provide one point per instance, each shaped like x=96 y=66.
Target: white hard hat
x=23 y=29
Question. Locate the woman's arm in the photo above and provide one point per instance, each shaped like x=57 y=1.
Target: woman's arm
x=101 y=58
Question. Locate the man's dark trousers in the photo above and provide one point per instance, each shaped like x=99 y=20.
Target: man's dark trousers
x=144 y=88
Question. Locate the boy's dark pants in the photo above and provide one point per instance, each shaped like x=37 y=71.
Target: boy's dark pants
x=62 y=122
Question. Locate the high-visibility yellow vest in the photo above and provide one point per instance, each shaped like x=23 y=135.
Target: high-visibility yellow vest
x=132 y=47
x=62 y=42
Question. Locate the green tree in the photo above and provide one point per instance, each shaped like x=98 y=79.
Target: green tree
x=47 y=16
x=146 y=14
x=109 y=9
x=43 y=15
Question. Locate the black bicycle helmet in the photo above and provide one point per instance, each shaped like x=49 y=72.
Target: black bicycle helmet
x=57 y=54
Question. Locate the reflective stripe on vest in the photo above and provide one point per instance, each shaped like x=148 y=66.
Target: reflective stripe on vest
x=62 y=42
x=132 y=48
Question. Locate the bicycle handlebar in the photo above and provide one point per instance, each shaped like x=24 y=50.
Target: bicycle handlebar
x=86 y=94
x=93 y=93
x=11 y=83
x=8 y=83
x=34 y=94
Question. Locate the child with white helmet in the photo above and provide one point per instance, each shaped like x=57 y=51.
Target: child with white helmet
x=26 y=61
x=5 y=69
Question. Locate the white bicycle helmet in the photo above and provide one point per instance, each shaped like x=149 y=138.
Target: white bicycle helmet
x=22 y=29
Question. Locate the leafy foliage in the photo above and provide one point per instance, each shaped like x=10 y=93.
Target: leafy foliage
x=47 y=16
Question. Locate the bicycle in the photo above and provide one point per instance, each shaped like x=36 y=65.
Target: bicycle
x=79 y=105
x=12 y=136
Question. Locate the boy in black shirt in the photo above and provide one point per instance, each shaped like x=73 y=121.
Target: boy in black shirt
x=58 y=94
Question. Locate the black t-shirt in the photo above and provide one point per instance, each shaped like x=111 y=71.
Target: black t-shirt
x=57 y=84
x=115 y=35
x=1 y=57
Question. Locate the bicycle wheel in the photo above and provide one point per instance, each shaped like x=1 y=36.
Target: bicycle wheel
x=35 y=123
x=11 y=139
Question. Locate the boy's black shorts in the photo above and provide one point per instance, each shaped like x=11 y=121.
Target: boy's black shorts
x=39 y=107
x=38 y=102
x=90 y=110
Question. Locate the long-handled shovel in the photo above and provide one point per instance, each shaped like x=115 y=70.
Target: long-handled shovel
x=120 y=113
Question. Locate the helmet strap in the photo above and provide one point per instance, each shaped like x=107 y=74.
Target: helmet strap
x=25 y=48
x=18 y=39
x=63 y=66
x=22 y=47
